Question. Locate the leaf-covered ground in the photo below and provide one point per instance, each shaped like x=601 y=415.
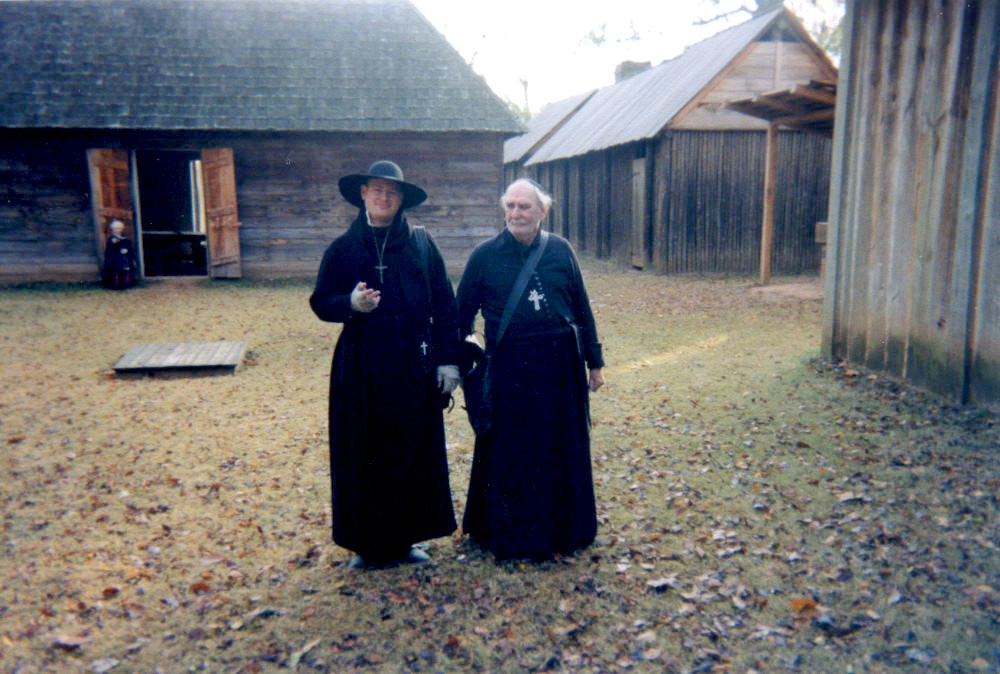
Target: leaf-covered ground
x=760 y=510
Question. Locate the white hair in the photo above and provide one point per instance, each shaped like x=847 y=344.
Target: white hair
x=544 y=200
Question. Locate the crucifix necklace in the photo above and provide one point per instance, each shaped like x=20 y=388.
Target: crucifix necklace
x=536 y=297
x=380 y=267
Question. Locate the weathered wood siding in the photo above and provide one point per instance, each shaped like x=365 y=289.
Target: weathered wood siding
x=707 y=189
x=708 y=205
x=766 y=66
x=913 y=259
x=46 y=228
x=287 y=196
x=291 y=208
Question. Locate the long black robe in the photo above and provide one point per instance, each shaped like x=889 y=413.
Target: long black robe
x=120 y=262
x=388 y=465
x=531 y=492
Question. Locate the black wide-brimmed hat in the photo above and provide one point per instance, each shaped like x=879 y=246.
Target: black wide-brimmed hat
x=350 y=186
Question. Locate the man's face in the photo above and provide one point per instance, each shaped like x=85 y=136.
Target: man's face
x=523 y=212
x=382 y=200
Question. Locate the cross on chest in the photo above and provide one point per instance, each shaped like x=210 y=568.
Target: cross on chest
x=536 y=297
x=380 y=268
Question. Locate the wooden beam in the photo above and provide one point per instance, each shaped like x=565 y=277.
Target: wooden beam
x=806 y=119
x=767 y=227
x=824 y=96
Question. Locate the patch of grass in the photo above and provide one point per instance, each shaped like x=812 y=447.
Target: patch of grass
x=760 y=509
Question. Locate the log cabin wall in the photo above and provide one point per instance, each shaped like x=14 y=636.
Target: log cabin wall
x=45 y=213
x=288 y=202
x=291 y=211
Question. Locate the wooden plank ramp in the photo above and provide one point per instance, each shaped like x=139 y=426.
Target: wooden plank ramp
x=182 y=356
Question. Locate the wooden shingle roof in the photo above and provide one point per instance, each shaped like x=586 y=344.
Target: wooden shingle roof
x=260 y=65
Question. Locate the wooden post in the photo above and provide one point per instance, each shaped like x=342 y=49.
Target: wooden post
x=767 y=228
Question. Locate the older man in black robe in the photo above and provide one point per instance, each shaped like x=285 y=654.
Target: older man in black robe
x=392 y=368
x=531 y=492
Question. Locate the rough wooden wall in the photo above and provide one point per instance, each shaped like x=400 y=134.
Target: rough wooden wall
x=913 y=254
x=709 y=189
x=46 y=228
x=287 y=196
x=291 y=208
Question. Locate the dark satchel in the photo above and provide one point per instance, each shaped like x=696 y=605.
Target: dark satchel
x=476 y=367
x=472 y=365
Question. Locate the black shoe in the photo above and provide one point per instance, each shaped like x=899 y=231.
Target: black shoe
x=417 y=556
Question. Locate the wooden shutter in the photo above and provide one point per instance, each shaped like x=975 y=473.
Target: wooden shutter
x=220 y=211
x=111 y=198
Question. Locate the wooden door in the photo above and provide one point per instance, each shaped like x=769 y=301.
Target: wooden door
x=640 y=214
x=220 y=213
x=110 y=194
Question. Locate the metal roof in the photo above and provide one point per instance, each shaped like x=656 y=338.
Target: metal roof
x=641 y=106
x=540 y=127
x=298 y=65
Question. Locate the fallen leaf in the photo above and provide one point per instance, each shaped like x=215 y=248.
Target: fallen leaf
x=200 y=588
x=804 y=608
x=661 y=584
x=102 y=666
x=70 y=643
x=293 y=659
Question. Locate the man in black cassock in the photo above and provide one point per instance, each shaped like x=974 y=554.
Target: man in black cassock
x=120 y=262
x=392 y=368
x=531 y=492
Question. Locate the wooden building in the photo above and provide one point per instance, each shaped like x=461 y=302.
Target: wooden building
x=655 y=171
x=217 y=131
x=913 y=257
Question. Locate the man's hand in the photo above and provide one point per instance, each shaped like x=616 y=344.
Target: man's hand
x=364 y=299
x=596 y=379
x=447 y=378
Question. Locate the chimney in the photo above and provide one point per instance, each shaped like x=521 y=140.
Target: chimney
x=626 y=69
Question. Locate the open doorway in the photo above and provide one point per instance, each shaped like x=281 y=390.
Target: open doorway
x=180 y=206
x=171 y=213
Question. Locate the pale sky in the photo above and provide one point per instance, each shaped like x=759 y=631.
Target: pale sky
x=544 y=41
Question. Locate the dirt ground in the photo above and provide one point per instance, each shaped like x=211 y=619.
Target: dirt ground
x=811 y=289
x=760 y=509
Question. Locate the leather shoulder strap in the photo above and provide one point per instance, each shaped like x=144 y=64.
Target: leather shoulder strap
x=521 y=283
x=424 y=248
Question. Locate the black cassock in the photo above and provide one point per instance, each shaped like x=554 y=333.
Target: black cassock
x=531 y=492
x=389 y=469
x=120 y=262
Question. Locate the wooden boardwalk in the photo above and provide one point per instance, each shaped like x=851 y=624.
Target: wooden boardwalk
x=182 y=356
